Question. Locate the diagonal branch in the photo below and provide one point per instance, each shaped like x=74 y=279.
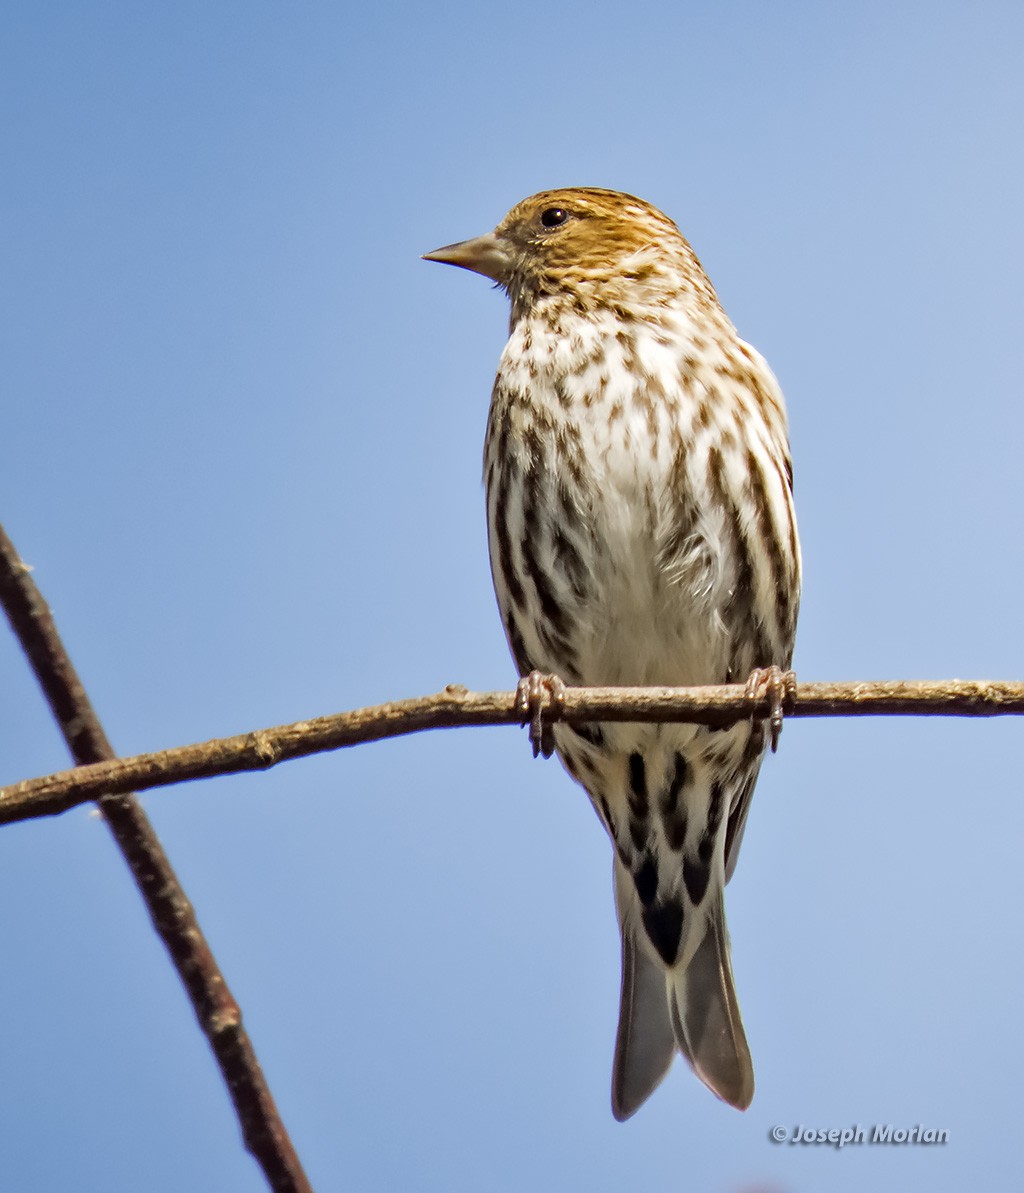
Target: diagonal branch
x=456 y=706
x=173 y=916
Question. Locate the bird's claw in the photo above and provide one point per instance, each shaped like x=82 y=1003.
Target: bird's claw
x=538 y=694
x=780 y=689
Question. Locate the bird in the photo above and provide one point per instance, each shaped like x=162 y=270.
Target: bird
x=641 y=531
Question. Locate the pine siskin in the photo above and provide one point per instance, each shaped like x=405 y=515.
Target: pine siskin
x=641 y=528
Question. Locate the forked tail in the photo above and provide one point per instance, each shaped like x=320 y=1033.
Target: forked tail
x=691 y=1007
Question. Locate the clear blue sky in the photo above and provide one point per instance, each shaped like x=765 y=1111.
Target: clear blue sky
x=241 y=446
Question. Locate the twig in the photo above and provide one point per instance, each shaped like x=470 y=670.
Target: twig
x=173 y=916
x=456 y=706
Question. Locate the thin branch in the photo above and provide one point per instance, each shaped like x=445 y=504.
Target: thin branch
x=456 y=706
x=173 y=916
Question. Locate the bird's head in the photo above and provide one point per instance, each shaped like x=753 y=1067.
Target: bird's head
x=592 y=246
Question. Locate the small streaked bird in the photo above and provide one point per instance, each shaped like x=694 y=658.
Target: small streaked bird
x=641 y=529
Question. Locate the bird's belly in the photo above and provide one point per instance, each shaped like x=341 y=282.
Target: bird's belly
x=597 y=598
x=642 y=623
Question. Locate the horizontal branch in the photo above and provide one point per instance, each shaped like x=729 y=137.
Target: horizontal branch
x=456 y=706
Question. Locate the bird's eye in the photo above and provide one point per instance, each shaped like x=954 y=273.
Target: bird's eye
x=552 y=217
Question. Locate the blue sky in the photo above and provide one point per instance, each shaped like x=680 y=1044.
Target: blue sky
x=242 y=429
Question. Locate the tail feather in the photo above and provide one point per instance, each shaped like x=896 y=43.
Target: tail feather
x=692 y=1008
x=645 y=1044
x=706 y=1018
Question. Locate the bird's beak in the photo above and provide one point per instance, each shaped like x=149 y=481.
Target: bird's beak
x=486 y=254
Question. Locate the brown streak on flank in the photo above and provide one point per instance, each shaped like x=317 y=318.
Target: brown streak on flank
x=683 y=513
x=497 y=457
x=768 y=404
x=761 y=501
x=553 y=625
x=571 y=515
x=569 y=454
x=566 y=664
x=496 y=439
x=738 y=611
x=534 y=446
x=794 y=557
x=569 y=562
x=751 y=646
x=506 y=564
x=517 y=645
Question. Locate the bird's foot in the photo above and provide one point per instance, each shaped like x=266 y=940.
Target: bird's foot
x=780 y=689
x=537 y=694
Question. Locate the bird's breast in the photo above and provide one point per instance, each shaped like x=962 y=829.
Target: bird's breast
x=604 y=543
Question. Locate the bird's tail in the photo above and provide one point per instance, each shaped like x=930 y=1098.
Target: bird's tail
x=691 y=1007
x=706 y=1016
